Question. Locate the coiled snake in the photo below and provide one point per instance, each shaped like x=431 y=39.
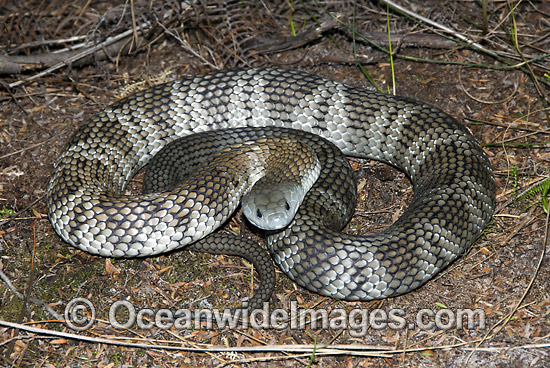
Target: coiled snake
x=454 y=189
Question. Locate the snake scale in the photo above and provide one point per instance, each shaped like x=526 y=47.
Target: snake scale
x=454 y=188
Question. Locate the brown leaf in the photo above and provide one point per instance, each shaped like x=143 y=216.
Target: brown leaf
x=110 y=269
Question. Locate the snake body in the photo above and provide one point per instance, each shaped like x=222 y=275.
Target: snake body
x=454 y=189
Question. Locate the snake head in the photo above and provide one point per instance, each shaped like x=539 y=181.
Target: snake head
x=270 y=208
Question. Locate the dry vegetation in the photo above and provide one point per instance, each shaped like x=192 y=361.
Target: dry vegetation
x=485 y=62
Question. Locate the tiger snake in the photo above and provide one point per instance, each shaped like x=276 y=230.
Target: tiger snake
x=453 y=185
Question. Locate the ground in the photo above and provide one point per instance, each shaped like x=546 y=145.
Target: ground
x=499 y=94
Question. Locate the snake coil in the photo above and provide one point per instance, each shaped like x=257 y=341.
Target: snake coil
x=454 y=189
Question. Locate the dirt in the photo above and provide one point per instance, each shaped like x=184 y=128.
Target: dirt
x=500 y=275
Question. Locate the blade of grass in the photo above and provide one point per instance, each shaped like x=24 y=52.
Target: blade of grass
x=391 y=53
x=290 y=13
x=359 y=64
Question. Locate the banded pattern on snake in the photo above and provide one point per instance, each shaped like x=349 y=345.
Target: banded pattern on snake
x=454 y=189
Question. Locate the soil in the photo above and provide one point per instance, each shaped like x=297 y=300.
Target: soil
x=501 y=275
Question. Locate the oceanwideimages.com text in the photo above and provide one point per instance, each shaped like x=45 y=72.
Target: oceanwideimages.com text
x=80 y=314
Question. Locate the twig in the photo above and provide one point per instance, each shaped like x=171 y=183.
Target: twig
x=25 y=149
x=34 y=44
x=76 y=57
x=187 y=47
x=288 y=43
x=360 y=350
x=487 y=102
x=10 y=286
x=441 y=27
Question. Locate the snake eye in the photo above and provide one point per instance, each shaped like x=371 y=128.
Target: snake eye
x=287 y=206
x=259 y=213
